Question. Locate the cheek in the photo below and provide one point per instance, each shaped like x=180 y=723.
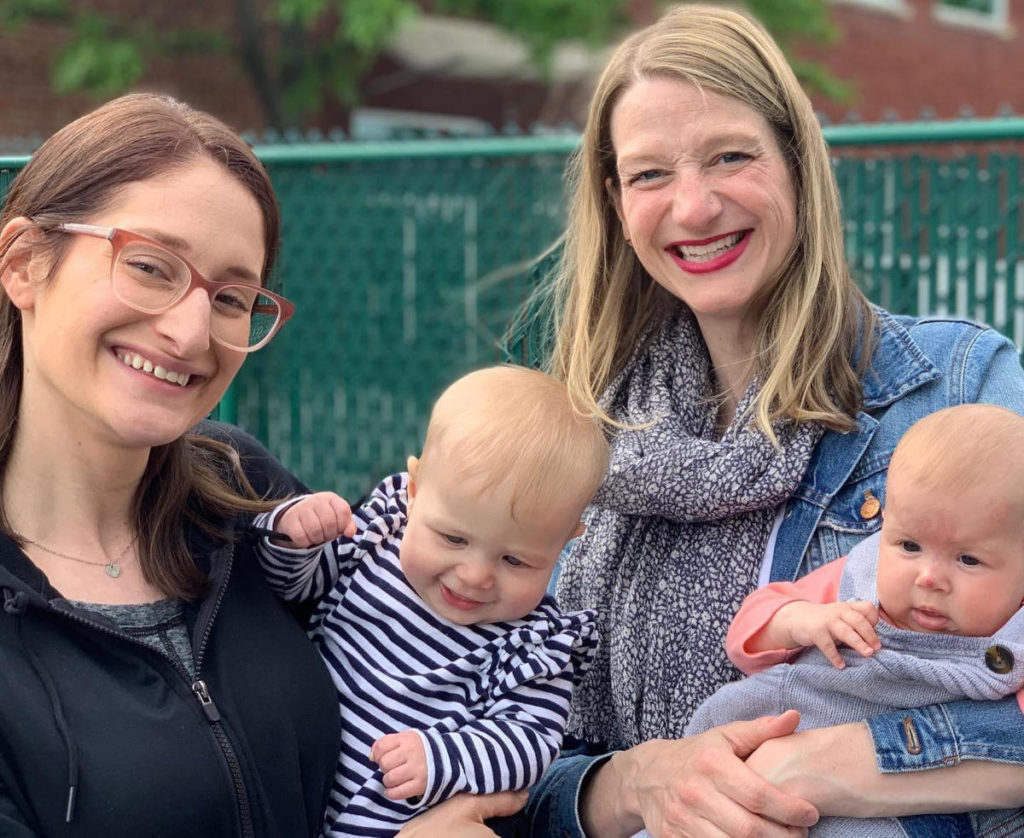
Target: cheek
x=641 y=212
x=529 y=593
x=892 y=580
x=413 y=557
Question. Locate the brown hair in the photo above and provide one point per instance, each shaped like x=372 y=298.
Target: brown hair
x=813 y=316
x=75 y=174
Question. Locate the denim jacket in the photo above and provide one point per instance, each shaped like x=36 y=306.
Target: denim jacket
x=918 y=366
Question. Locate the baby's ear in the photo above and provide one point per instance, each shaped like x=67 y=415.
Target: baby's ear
x=412 y=465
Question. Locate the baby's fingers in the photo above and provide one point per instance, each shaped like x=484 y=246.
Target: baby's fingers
x=383 y=746
x=405 y=790
x=343 y=522
x=862 y=636
x=825 y=641
x=866 y=609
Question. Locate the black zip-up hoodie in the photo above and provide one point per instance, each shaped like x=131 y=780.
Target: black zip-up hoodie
x=101 y=735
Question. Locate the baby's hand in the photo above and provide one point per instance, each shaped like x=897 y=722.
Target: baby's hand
x=403 y=761
x=826 y=625
x=316 y=519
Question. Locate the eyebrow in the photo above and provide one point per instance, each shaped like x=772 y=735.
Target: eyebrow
x=179 y=244
x=725 y=140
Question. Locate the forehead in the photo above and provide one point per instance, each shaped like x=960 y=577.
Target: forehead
x=200 y=206
x=671 y=112
x=977 y=515
x=486 y=512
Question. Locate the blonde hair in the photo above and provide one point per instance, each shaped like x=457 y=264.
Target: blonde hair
x=813 y=316
x=516 y=426
x=965 y=448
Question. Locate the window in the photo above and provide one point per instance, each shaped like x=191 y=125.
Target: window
x=897 y=7
x=990 y=15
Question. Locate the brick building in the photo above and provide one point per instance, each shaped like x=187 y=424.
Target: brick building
x=903 y=57
x=939 y=57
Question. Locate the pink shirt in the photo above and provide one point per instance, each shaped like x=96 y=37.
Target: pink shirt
x=820 y=586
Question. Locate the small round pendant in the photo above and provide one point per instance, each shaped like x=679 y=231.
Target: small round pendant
x=112 y=570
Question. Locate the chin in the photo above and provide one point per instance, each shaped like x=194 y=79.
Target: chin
x=146 y=430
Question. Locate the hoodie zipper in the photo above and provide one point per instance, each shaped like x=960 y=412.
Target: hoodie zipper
x=202 y=693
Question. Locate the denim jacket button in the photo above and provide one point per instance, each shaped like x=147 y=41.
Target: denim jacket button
x=999 y=659
x=870 y=507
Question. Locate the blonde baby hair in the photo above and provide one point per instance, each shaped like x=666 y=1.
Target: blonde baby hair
x=966 y=448
x=516 y=426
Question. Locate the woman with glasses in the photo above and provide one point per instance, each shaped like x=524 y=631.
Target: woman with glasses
x=151 y=683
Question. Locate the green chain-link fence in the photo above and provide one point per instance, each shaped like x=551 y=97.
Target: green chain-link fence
x=407 y=260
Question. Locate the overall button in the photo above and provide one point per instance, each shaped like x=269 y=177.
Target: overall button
x=999 y=659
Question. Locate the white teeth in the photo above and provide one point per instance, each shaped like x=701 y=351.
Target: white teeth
x=707 y=252
x=136 y=361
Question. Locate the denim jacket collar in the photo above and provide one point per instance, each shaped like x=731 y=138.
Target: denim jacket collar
x=898 y=366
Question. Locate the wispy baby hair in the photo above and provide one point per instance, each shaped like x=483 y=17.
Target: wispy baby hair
x=516 y=426
x=965 y=447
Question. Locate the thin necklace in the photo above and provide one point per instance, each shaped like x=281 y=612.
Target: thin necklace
x=112 y=568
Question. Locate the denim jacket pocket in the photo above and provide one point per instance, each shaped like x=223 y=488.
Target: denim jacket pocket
x=998 y=823
x=854 y=513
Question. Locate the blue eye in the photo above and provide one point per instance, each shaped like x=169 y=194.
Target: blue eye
x=734 y=157
x=513 y=561
x=644 y=177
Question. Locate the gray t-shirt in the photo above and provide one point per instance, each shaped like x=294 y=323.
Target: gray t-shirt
x=160 y=625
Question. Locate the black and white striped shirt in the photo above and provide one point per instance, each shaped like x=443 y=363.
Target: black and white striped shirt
x=489 y=701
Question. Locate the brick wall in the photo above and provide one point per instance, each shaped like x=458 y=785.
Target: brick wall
x=906 y=63
x=899 y=63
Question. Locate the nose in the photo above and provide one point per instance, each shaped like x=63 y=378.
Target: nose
x=186 y=324
x=475 y=572
x=931 y=576
x=695 y=203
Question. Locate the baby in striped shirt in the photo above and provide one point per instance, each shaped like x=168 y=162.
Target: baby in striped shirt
x=454 y=668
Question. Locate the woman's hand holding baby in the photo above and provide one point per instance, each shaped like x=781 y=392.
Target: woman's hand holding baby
x=802 y=624
x=403 y=761
x=315 y=519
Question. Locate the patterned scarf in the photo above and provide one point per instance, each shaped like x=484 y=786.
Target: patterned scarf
x=674 y=541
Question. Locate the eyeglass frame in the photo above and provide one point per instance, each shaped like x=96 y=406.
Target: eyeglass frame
x=119 y=237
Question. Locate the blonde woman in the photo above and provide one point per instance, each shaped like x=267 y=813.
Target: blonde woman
x=706 y=311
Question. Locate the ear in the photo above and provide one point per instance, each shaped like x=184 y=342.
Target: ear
x=412 y=465
x=615 y=195
x=20 y=263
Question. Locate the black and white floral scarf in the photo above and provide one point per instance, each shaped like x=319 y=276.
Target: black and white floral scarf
x=674 y=540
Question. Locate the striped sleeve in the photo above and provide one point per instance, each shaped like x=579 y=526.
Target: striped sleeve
x=305 y=574
x=512 y=744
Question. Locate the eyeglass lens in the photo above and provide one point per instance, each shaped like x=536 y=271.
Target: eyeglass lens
x=153 y=279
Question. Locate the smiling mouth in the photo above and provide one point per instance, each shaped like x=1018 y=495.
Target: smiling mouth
x=706 y=251
x=460 y=602
x=144 y=365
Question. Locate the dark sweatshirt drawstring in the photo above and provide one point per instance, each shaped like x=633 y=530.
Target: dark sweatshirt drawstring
x=16 y=604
